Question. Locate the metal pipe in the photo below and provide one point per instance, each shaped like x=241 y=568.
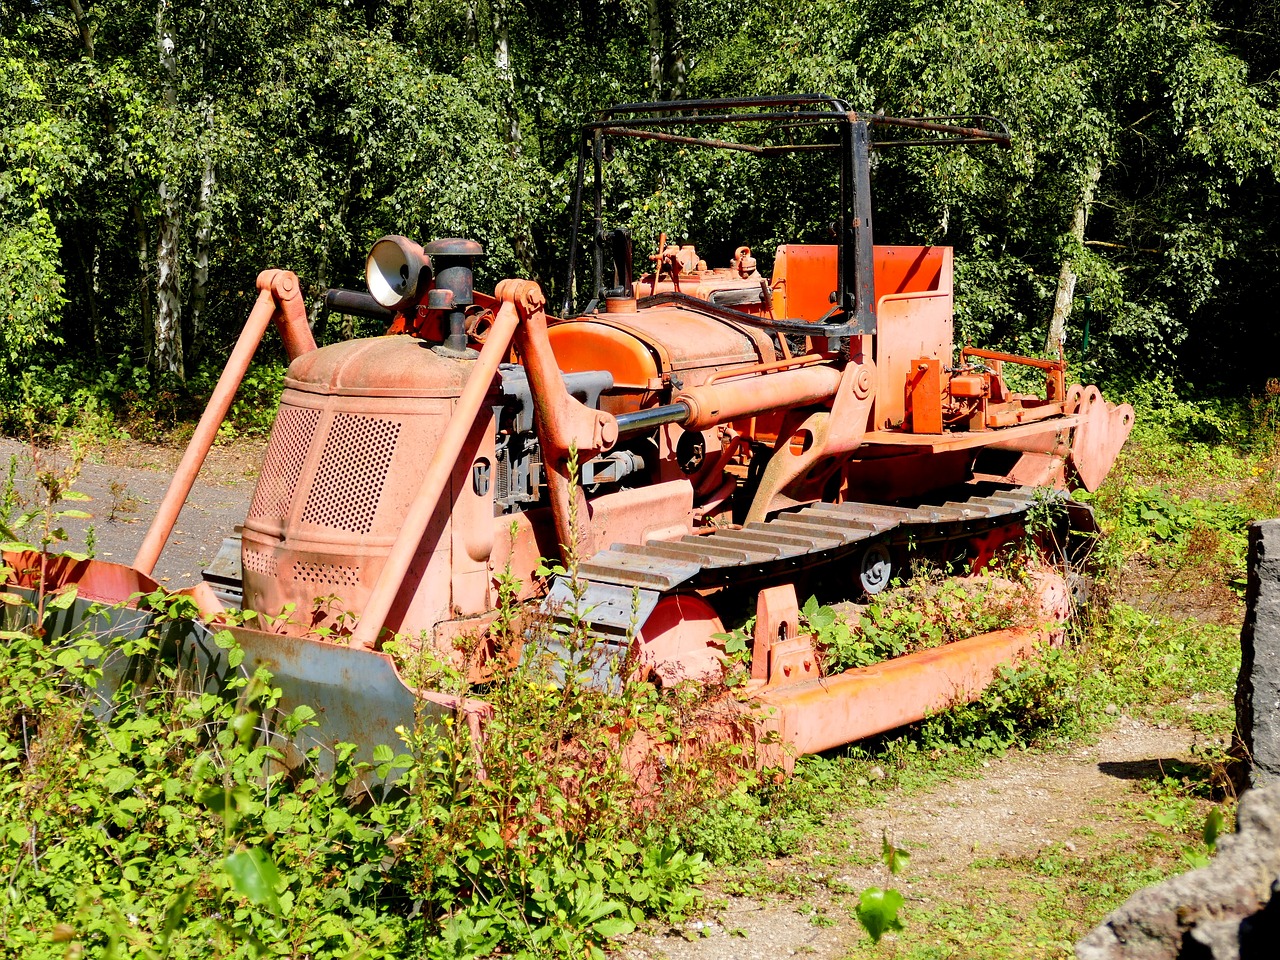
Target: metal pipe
x=717 y=403
x=280 y=299
x=357 y=303
x=769 y=100
x=709 y=404
x=643 y=420
x=436 y=480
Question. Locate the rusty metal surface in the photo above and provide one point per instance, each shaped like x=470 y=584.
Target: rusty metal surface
x=418 y=517
x=1104 y=427
x=379 y=367
x=1047 y=434
x=821 y=533
x=689 y=341
x=715 y=403
x=823 y=713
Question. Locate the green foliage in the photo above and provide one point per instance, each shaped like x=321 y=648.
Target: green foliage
x=1149 y=659
x=40 y=159
x=752 y=822
x=293 y=134
x=1215 y=824
x=927 y=611
x=878 y=907
x=164 y=823
x=147 y=815
x=1023 y=705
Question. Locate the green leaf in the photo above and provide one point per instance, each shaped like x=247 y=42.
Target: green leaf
x=895 y=858
x=1214 y=824
x=62 y=600
x=613 y=927
x=254 y=875
x=118 y=780
x=878 y=911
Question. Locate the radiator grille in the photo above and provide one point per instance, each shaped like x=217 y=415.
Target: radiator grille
x=328 y=574
x=352 y=473
x=290 y=439
x=258 y=561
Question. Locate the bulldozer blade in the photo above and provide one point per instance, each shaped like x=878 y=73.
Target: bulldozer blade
x=358 y=696
x=1102 y=431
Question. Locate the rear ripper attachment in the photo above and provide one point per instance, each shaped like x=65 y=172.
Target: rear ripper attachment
x=695 y=441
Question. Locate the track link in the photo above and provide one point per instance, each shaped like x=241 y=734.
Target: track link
x=618 y=587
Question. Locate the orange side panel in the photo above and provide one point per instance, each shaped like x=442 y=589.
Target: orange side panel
x=911 y=324
x=804 y=275
x=595 y=346
x=909 y=269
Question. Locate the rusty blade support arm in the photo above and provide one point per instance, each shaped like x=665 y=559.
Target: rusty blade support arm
x=436 y=480
x=966 y=352
x=279 y=299
x=564 y=424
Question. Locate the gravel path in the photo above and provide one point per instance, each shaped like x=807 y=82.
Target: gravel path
x=127 y=485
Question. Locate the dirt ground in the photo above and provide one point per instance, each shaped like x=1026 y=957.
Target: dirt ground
x=1075 y=803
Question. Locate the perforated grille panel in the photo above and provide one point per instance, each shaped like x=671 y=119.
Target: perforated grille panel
x=329 y=574
x=290 y=439
x=352 y=473
x=256 y=561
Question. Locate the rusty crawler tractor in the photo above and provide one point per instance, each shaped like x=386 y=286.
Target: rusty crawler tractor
x=731 y=434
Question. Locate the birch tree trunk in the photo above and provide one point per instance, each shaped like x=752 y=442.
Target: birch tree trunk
x=1065 y=297
x=675 y=67
x=168 y=322
x=473 y=24
x=142 y=237
x=502 y=65
x=204 y=204
x=200 y=245
x=655 y=49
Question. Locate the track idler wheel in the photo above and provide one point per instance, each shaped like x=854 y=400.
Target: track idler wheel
x=876 y=569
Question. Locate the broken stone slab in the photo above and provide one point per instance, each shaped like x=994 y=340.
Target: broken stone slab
x=1258 y=687
x=1229 y=910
